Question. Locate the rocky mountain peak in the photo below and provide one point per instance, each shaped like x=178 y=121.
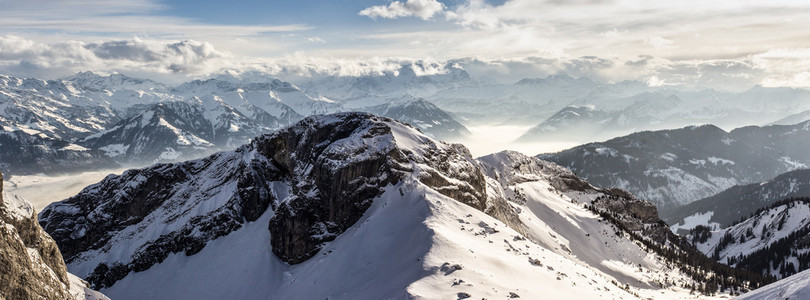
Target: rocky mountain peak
x=317 y=177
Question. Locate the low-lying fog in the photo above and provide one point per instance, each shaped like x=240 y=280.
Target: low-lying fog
x=42 y=190
x=495 y=138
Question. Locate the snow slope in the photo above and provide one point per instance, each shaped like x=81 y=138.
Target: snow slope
x=741 y=201
x=405 y=246
x=773 y=241
x=795 y=287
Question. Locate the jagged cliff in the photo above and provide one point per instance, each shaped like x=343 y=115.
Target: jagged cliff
x=31 y=266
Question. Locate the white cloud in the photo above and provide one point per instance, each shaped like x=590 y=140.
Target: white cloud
x=116 y=18
x=784 y=67
x=316 y=39
x=424 y=9
x=728 y=44
x=26 y=57
x=659 y=42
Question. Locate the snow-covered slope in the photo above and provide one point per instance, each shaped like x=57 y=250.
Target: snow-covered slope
x=275 y=97
x=796 y=287
x=741 y=201
x=672 y=168
x=424 y=115
x=773 y=241
x=352 y=206
x=32 y=267
x=172 y=130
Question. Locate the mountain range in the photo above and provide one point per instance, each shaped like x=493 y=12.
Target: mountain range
x=91 y=121
x=673 y=168
x=740 y=201
x=353 y=205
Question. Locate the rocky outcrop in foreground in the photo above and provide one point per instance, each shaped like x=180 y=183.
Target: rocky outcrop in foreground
x=31 y=266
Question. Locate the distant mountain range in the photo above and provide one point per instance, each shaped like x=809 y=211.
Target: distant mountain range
x=91 y=121
x=604 y=115
x=673 y=168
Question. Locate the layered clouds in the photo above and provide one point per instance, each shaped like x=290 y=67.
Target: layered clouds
x=424 y=9
x=722 y=44
x=21 y=56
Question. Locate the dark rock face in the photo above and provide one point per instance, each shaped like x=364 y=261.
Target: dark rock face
x=92 y=218
x=331 y=190
x=634 y=215
x=341 y=186
x=26 y=276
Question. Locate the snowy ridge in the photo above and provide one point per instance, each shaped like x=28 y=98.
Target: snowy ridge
x=795 y=287
x=302 y=208
x=98 y=113
x=772 y=242
x=424 y=115
x=672 y=168
x=744 y=199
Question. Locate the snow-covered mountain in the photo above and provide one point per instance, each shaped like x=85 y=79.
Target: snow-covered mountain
x=25 y=150
x=168 y=130
x=32 y=267
x=672 y=168
x=795 y=287
x=424 y=115
x=105 y=114
x=54 y=108
x=353 y=205
x=740 y=201
x=773 y=241
x=278 y=98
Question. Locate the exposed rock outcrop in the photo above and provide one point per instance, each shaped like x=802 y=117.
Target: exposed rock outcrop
x=31 y=266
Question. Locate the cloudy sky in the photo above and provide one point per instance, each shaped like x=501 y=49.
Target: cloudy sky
x=728 y=44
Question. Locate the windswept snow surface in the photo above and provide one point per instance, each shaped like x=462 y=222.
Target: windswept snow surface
x=695 y=220
x=796 y=287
